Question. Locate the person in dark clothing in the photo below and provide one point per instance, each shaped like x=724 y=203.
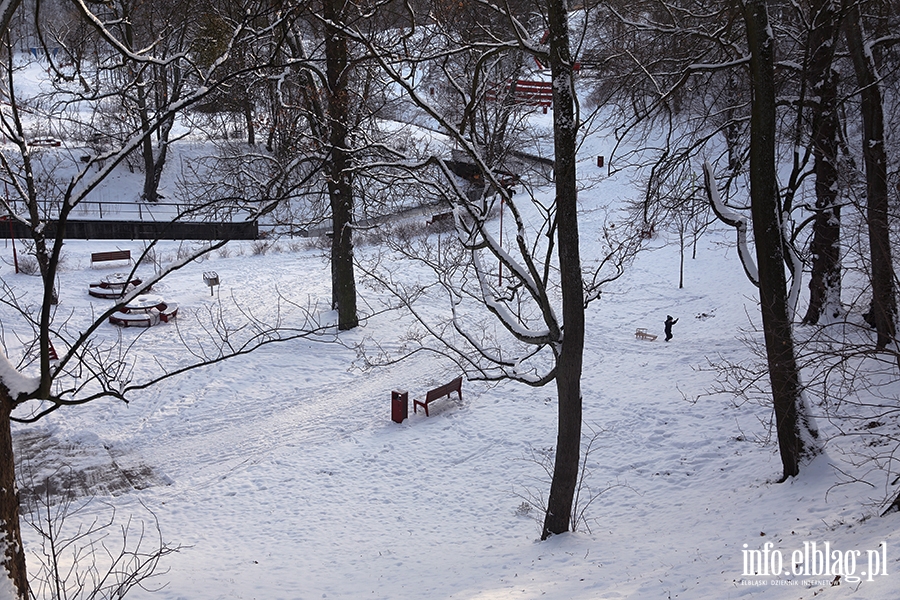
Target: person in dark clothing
x=669 y=322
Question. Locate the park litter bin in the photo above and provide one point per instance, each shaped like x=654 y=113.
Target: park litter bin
x=399 y=406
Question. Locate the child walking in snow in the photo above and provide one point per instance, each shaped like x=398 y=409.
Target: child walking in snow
x=668 y=324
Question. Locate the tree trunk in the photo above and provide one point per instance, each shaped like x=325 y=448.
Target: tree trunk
x=247 y=109
x=154 y=163
x=13 y=554
x=570 y=357
x=784 y=375
x=340 y=179
x=151 y=181
x=825 y=280
x=7 y=9
x=884 y=307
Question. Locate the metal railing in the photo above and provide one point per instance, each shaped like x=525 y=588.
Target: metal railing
x=159 y=212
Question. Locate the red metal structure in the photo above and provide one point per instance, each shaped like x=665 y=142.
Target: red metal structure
x=526 y=93
x=399 y=406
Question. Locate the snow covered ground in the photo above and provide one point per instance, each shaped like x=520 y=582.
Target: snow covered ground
x=281 y=475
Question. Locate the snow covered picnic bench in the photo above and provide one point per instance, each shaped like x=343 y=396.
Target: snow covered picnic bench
x=113 y=286
x=144 y=311
x=642 y=334
x=146 y=318
x=127 y=319
x=438 y=393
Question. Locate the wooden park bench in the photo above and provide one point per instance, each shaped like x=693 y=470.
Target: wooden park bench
x=110 y=256
x=445 y=218
x=642 y=334
x=438 y=393
x=46 y=142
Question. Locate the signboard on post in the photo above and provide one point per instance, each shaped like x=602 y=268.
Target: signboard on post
x=211 y=278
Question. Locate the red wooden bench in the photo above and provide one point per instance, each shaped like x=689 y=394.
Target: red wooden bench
x=526 y=93
x=534 y=93
x=439 y=392
x=111 y=255
x=168 y=311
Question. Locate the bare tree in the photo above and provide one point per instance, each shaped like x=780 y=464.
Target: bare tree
x=537 y=285
x=340 y=182
x=571 y=346
x=7 y=10
x=142 y=88
x=322 y=105
x=13 y=561
x=104 y=556
x=795 y=432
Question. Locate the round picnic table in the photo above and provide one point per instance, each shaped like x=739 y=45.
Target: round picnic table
x=121 y=280
x=145 y=303
x=112 y=286
x=145 y=310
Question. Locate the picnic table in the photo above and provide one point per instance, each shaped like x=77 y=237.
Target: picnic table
x=113 y=285
x=144 y=303
x=145 y=310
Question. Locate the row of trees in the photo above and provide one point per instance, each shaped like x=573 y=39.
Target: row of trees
x=791 y=90
x=796 y=92
x=735 y=84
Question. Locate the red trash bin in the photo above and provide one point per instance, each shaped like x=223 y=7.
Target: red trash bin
x=399 y=406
